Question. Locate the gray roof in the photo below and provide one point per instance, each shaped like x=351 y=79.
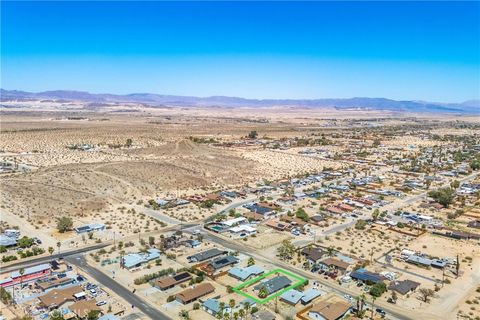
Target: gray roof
x=7 y=241
x=275 y=284
x=311 y=294
x=264 y=315
x=136 y=259
x=292 y=296
x=221 y=262
x=419 y=260
x=205 y=255
x=403 y=287
x=31 y=270
x=245 y=273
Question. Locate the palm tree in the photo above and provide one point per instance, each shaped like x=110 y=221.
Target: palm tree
x=330 y=251
x=22 y=272
x=373 y=305
x=231 y=304
x=246 y=306
x=222 y=308
x=51 y=251
x=59 y=244
x=241 y=313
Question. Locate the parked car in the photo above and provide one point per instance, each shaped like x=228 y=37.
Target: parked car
x=381 y=312
x=101 y=303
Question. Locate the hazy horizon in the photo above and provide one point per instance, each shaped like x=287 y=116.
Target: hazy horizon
x=426 y=51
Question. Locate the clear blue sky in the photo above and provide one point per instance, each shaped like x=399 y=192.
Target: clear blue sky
x=424 y=51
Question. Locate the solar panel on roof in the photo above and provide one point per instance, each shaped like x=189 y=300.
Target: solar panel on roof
x=181 y=276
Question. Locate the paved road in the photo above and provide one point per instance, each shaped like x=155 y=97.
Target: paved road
x=63 y=254
x=113 y=285
x=45 y=259
x=236 y=204
x=393 y=311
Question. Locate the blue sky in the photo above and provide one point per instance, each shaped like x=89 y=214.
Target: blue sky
x=411 y=50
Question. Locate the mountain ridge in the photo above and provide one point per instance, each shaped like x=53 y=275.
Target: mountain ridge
x=360 y=103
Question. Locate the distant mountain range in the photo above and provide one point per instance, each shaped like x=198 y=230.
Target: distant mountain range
x=467 y=107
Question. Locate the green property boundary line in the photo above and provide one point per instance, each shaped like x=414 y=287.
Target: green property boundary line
x=238 y=289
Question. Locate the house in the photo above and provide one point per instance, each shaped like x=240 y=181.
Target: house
x=192 y=243
x=56 y=298
x=294 y=221
x=310 y=295
x=83 y=307
x=275 y=284
x=234 y=222
x=317 y=219
x=242 y=231
x=403 y=287
x=220 y=263
x=253 y=216
x=346 y=207
x=90 y=228
x=6 y=241
x=212 y=306
x=333 y=263
x=291 y=297
x=329 y=309
x=243 y=274
x=29 y=274
x=313 y=254
x=52 y=283
x=135 y=260
x=266 y=212
x=277 y=225
x=366 y=276
x=474 y=224
x=205 y=255
x=194 y=293
x=269 y=205
x=334 y=210
x=414 y=259
x=263 y=315
x=170 y=282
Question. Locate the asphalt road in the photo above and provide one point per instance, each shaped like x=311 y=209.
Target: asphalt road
x=80 y=262
x=45 y=259
x=392 y=311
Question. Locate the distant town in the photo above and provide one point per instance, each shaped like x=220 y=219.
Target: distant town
x=196 y=213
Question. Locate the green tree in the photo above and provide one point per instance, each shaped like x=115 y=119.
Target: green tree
x=129 y=142
x=378 y=289
x=25 y=242
x=475 y=164
x=263 y=293
x=443 y=196
x=253 y=134
x=184 y=314
x=250 y=262
x=301 y=214
x=56 y=315
x=5 y=296
x=64 y=224
x=360 y=224
x=425 y=294
x=375 y=214
x=286 y=250
x=51 y=250
x=455 y=184
x=93 y=315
